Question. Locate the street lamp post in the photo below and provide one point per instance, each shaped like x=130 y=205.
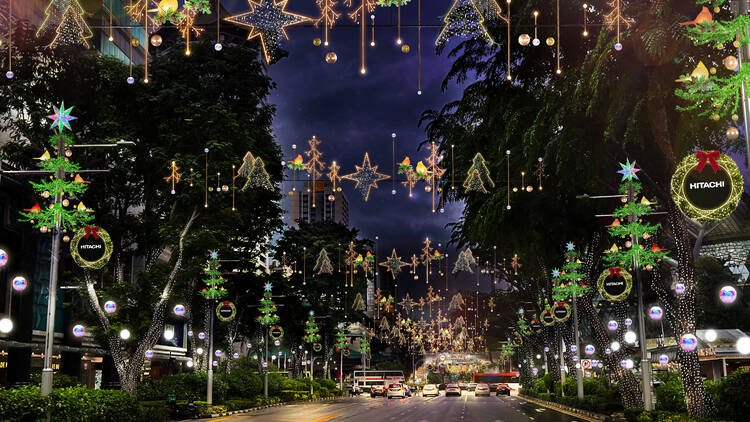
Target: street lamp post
x=210 y=372
x=578 y=368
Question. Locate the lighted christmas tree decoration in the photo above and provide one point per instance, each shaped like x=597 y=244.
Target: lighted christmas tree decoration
x=64 y=21
x=570 y=279
x=432 y=170
x=364 y=345
x=342 y=342
x=464 y=262
x=456 y=303
x=268 y=21
x=393 y=264
x=312 y=332
x=359 y=303
x=213 y=280
x=314 y=166
x=478 y=176
x=253 y=169
x=463 y=19
x=366 y=177
x=267 y=308
x=323 y=263
x=56 y=188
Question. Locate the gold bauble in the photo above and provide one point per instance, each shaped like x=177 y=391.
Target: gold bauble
x=628 y=244
x=719 y=46
x=428 y=188
x=156 y=40
x=45 y=194
x=405 y=48
x=716 y=9
x=225 y=188
x=316 y=42
x=646 y=235
x=524 y=39
x=43 y=229
x=66 y=238
x=135 y=42
x=331 y=197
x=733 y=133
x=331 y=57
x=338 y=189
x=712 y=70
x=168 y=5
x=730 y=62
x=624 y=199
x=550 y=41
x=736 y=44
x=65 y=202
x=529 y=188
x=735 y=117
x=68 y=153
x=515 y=189
x=716 y=117
x=649 y=267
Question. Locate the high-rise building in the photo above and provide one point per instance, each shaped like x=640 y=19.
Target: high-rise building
x=328 y=205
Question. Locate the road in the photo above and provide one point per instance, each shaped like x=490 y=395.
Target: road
x=466 y=408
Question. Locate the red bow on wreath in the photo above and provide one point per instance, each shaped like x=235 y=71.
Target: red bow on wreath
x=709 y=157
x=93 y=231
x=226 y=303
x=614 y=271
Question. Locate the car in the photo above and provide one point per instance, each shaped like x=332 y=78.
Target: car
x=452 y=389
x=396 y=390
x=472 y=386
x=482 y=389
x=503 y=390
x=377 y=390
x=463 y=385
x=493 y=387
x=430 y=390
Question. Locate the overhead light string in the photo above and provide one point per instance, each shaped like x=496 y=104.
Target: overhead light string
x=393 y=163
x=559 y=70
x=111 y=38
x=453 y=168
x=9 y=73
x=536 y=28
x=372 y=22
x=507 y=156
x=205 y=203
x=130 y=56
x=585 y=29
x=234 y=176
x=507 y=22
x=419 y=47
x=145 y=78
x=218 y=45
x=398 y=22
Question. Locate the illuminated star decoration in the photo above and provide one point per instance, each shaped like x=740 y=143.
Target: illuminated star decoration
x=555 y=273
x=394 y=264
x=61 y=119
x=570 y=246
x=214 y=255
x=268 y=21
x=628 y=170
x=267 y=287
x=366 y=177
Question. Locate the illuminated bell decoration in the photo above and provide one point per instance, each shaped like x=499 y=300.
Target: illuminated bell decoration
x=589 y=349
x=663 y=360
x=405 y=48
x=524 y=39
x=730 y=62
x=316 y=42
x=612 y=325
x=78 y=330
x=628 y=322
x=679 y=288
x=156 y=40
x=728 y=294
x=201 y=336
x=655 y=313
x=733 y=133
x=179 y=309
x=135 y=42
x=550 y=41
x=331 y=57
x=110 y=306
x=688 y=342
x=19 y=284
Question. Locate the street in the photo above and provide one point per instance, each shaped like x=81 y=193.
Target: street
x=466 y=408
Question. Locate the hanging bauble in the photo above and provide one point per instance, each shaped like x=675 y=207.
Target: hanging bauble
x=179 y=309
x=331 y=57
x=331 y=197
x=655 y=313
x=550 y=41
x=733 y=133
x=607 y=351
x=535 y=42
x=628 y=244
x=66 y=238
x=712 y=70
x=218 y=46
x=524 y=39
x=110 y=306
x=78 y=330
x=131 y=80
x=715 y=117
x=316 y=42
x=589 y=349
x=156 y=40
x=735 y=117
x=405 y=48
x=730 y=62
x=135 y=42
x=43 y=229
x=612 y=325
x=618 y=46
x=688 y=342
x=649 y=267
x=679 y=288
x=9 y=74
x=19 y=284
x=663 y=360
x=201 y=336
x=728 y=294
x=628 y=322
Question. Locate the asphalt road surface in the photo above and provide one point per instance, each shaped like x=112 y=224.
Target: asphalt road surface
x=466 y=408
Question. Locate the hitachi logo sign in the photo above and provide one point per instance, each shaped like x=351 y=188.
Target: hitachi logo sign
x=90 y=247
x=706 y=185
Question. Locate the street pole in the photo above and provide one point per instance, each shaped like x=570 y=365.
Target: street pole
x=562 y=362
x=312 y=364
x=265 y=369
x=579 y=369
x=645 y=361
x=210 y=385
x=49 y=336
x=341 y=369
x=546 y=365
x=742 y=7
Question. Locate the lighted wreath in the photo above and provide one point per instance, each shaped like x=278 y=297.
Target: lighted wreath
x=226 y=304
x=567 y=312
x=545 y=320
x=94 y=233
x=710 y=162
x=278 y=335
x=618 y=272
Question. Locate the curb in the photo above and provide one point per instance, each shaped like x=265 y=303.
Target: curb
x=572 y=411
x=254 y=409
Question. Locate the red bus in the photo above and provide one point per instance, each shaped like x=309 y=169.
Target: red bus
x=509 y=378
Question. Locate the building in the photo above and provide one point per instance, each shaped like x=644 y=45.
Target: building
x=321 y=205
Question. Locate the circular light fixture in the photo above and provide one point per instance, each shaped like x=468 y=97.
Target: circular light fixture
x=124 y=334
x=743 y=345
x=110 y=306
x=20 y=284
x=711 y=335
x=78 y=330
x=615 y=346
x=6 y=325
x=630 y=337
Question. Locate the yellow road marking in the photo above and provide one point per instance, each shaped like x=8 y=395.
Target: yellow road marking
x=325 y=418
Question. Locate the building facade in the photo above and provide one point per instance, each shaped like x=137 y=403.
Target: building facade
x=319 y=204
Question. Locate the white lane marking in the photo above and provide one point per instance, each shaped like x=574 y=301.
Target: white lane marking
x=540 y=410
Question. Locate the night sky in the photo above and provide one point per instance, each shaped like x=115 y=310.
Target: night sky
x=352 y=114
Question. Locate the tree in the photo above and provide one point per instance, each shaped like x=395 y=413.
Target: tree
x=267 y=307
x=168 y=233
x=258 y=177
x=323 y=263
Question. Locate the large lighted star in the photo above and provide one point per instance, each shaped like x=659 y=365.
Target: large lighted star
x=394 y=264
x=366 y=177
x=570 y=246
x=628 y=170
x=214 y=255
x=61 y=119
x=267 y=287
x=267 y=20
x=555 y=273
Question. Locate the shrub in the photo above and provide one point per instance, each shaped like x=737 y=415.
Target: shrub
x=153 y=411
x=239 y=404
x=187 y=386
x=732 y=395
x=23 y=404
x=58 y=381
x=244 y=383
x=329 y=384
x=540 y=386
x=670 y=395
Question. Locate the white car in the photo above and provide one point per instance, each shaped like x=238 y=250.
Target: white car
x=430 y=390
x=451 y=389
x=482 y=389
x=395 y=390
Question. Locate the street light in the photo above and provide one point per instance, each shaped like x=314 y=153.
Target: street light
x=169 y=334
x=124 y=334
x=6 y=325
x=199 y=350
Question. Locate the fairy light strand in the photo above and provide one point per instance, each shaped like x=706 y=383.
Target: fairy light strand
x=111 y=38
x=398 y=24
x=372 y=28
x=419 y=47
x=585 y=29
x=145 y=81
x=205 y=203
x=10 y=39
x=557 y=24
x=234 y=176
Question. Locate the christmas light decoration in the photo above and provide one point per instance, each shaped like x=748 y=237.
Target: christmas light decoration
x=9 y=74
x=110 y=307
x=327 y=15
x=393 y=264
x=3 y=258
x=433 y=169
x=366 y=177
x=358 y=15
x=359 y=303
x=314 y=166
x=312 y=332
x=728 y=294
x=342 y=342
x=663 y=360
x=464 y=262
x=655 y=313
x=78 y=330
x=456 y=303
x=679 y=288
x=268 y=21
x=323 y=263
x=628 y=322
x=19 y=283
x=364 y=345
x=630 y=337
x=214 y=280
x=253 y=169
x=64 y=21
x=267 y=308
x=707 y=186
x=743 y=345
x=478 y=176
x=614 y=19
x=174 y=176
x=571 y=278
x=179 y=309
x=463 y=19
x=688 y=342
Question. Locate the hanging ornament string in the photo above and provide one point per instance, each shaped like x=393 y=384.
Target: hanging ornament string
x=614 y=19
x=419 y=47
x=507 y=24
x=372 y=38
x=234 y=176
x=111 y=38
x=536 y=28
x=130 y=56
x=507 y=156
x=393 y=163
x=453 y=169
x=145 y=79
x=218 y=43
x=9 y=74
x=191 y=177
x=398 y=25
x=585 y=30
x=205 y=204
x=557 y=10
